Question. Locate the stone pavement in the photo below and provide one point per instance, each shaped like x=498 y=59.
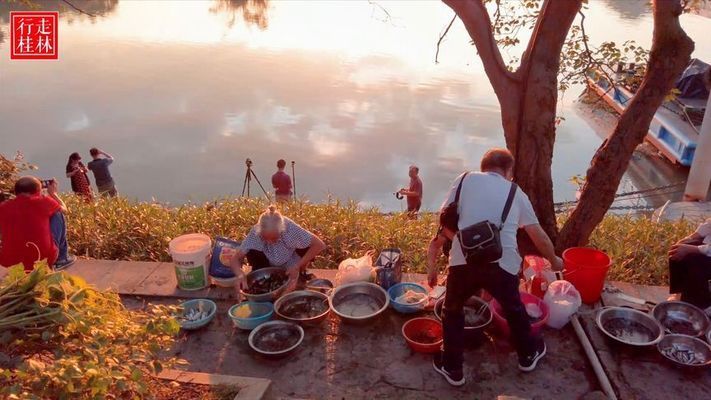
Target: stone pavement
x=642 y=373
x=340 y=360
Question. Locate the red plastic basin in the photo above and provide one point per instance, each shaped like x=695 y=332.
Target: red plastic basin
x=503 y=326
x=423 y=335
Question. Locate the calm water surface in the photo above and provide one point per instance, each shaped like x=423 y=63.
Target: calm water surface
x=182 y=93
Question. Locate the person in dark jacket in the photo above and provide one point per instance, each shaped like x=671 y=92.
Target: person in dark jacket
x=100 y=167
x=690 y=268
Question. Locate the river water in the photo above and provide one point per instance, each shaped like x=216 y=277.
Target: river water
x=182 y=92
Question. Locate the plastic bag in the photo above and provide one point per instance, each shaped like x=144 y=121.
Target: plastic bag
x=538 y=275
x=221 y=256
x=563 y=300
x=355 y=269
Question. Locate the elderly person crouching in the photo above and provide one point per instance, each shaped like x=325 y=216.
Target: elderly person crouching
x=276 y=241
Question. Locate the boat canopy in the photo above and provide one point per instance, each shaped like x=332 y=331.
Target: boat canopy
x=695 y=82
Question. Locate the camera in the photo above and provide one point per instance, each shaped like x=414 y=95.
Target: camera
x=248 y=162
x=398 y=195
x=46 y=183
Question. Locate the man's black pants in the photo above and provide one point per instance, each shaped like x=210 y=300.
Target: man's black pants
x=463 y=281
x=691 y=276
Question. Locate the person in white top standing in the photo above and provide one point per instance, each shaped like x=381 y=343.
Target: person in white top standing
x=483 y=196
x=690 y=268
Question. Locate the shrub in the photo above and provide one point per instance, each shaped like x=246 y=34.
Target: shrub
x=69 y=341
x=638 y=247
x=126 y=230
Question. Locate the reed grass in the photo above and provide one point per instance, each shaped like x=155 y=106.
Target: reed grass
x=121 y=229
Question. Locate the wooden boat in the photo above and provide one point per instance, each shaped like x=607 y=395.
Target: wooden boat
x=674 y=130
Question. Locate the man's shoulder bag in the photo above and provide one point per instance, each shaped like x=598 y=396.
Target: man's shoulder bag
x=449 y=217
x=481 y=242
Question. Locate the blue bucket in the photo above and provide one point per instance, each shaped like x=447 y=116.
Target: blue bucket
x=399 y=289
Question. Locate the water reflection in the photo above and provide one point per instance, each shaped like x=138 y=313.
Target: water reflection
x=253 y=12
x=182 y=100
x=630 y=9
x=96 y=8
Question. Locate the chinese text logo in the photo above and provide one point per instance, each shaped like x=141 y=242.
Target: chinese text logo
x=33 y=35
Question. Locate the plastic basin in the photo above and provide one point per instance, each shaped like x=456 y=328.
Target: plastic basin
x=208 y=306
x=586 y=269
x=399 y=289
x=502 y=324
x=258 y=313
x=423 y=335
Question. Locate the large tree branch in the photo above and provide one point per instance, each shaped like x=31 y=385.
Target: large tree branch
x=533 y=145
x=671 y=49
x=476 y=20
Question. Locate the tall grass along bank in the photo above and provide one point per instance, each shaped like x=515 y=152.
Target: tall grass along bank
x=125 y=230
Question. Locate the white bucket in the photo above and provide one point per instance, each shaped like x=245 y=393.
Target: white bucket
x=191 y=258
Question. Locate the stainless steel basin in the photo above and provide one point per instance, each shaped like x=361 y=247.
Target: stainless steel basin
x=358 y=302
x=261 y=273
x=629 y=326
x=303 y=306
x=681 y=318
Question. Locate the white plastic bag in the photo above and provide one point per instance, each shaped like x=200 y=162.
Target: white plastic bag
x=563 y=300
x=355 y=269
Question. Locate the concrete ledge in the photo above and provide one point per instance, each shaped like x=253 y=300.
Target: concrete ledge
x=250 y=388
x=157 y=279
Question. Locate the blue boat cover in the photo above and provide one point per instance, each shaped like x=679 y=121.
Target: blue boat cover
x=694 y=83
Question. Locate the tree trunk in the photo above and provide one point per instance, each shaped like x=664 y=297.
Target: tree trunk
x=533 y=149
x=671 y=49
x=528 y=97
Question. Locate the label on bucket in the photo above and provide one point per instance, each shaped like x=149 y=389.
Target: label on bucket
x=190 y=276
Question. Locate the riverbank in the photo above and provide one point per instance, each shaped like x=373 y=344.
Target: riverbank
x=120 y=229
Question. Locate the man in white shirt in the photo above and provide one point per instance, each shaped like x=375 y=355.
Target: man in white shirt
x=690 y=267
x=483 y=196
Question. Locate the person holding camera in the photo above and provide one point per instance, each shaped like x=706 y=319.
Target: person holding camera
x=100 y=167
x=414 y=192
x=482 y=215
x=32 y=226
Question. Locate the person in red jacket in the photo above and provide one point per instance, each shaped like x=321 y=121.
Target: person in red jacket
x=32 y=226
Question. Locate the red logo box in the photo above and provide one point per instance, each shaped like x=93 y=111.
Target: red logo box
x=33 y=35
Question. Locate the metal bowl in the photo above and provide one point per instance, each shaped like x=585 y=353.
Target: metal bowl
x=358 y=302
x=681 y=318
x=320 y=285
x=629 y=326
x=276 y=339
x=676 y=348
x=475 y=303
x=303 y=306
x=265 y=297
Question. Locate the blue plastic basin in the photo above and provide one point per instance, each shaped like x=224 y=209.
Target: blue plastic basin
x=259 y=314
x=399 y=289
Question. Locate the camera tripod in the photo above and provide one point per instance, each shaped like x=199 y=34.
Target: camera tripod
x=248 y=180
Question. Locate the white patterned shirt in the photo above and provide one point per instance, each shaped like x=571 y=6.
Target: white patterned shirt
x=281 y=253
x=704 y=230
